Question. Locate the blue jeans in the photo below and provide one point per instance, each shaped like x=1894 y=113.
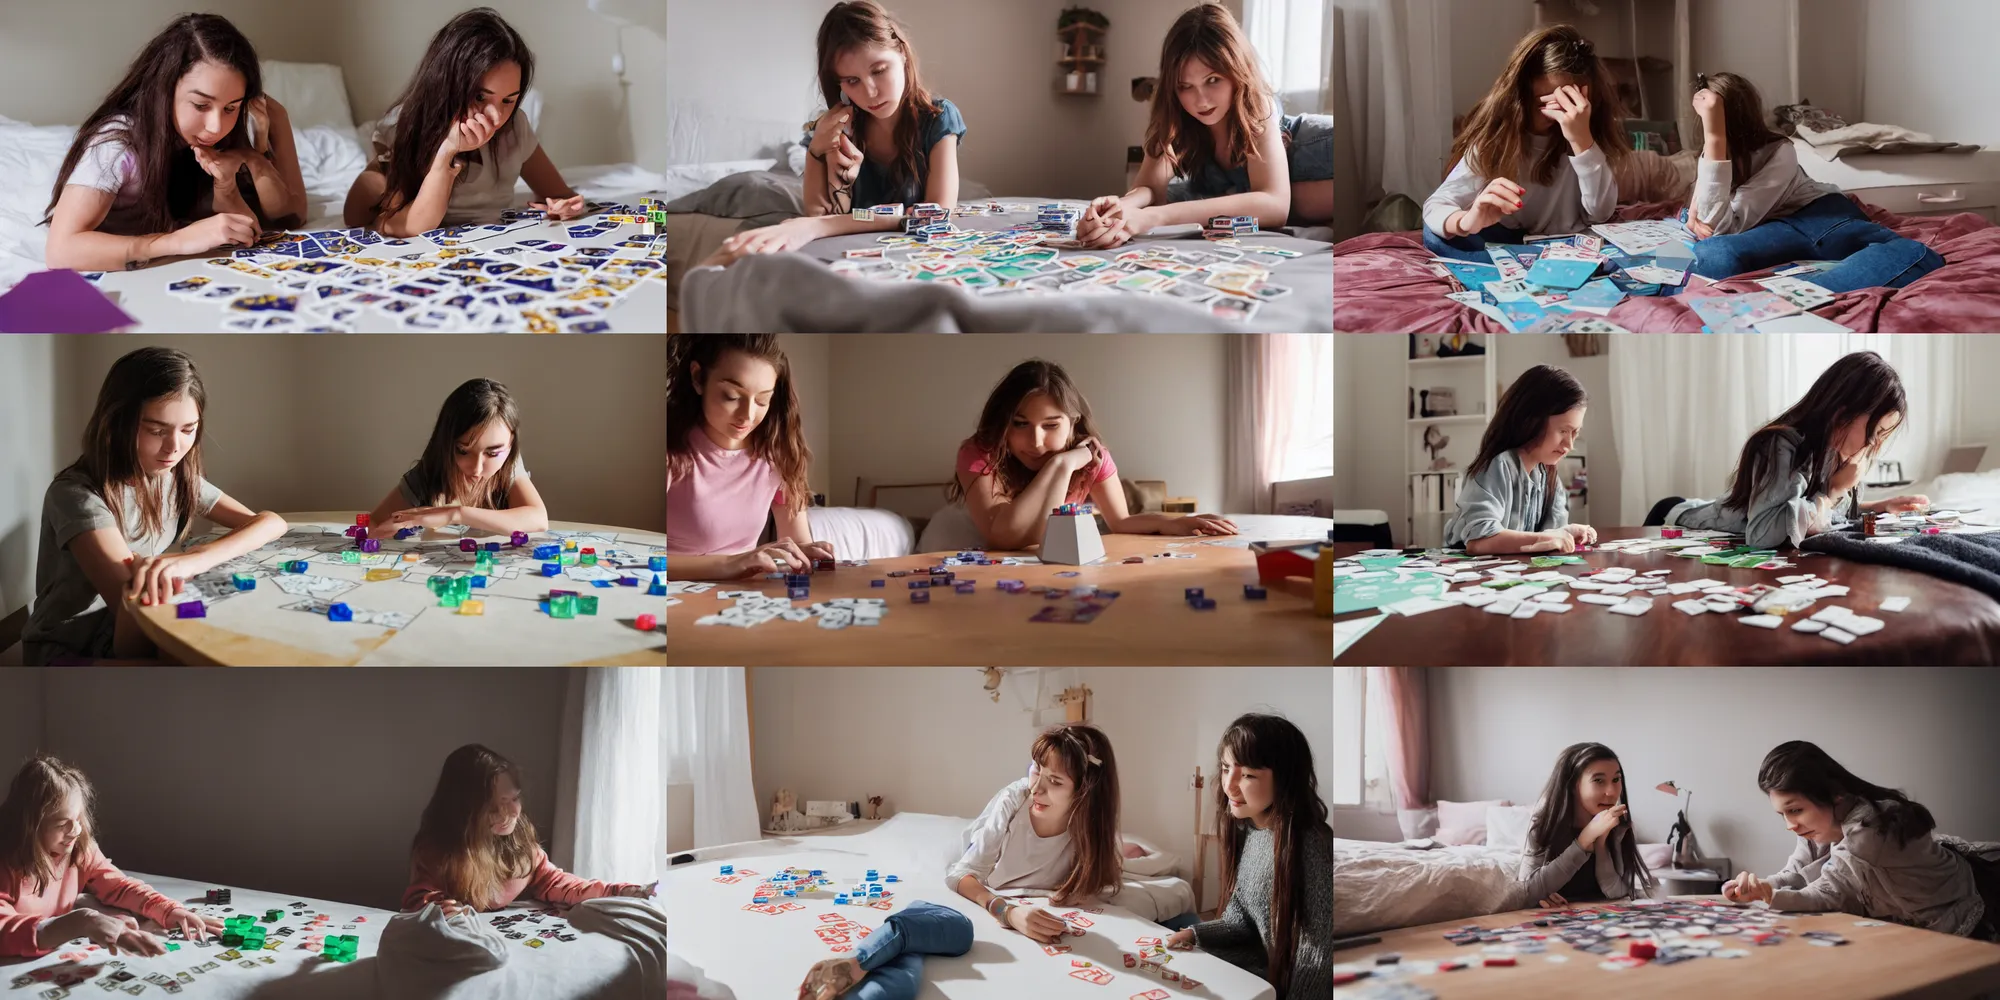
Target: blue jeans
x=1471 y=247
x=894 y=955
x=1182 y=922
x=1831 y=228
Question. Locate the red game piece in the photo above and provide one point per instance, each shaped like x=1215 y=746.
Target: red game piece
x=1496 y=961
x=361 y=519
x=647 y=623
x=1643 y=949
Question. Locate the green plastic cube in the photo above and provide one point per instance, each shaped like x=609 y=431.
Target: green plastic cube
x=588 y=560
x=568 y=559
x=273 y=916
x=562 y=606
x=450 y=599
x=461 y=586
x=586 y=603
x=350 y=556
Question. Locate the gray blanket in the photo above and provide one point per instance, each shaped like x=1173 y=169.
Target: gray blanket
x=1973 y=560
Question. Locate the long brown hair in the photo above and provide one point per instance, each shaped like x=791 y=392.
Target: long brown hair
x=444 y=90
x=39 y=788
x=1742 y=119
x=1207 y=31
x=1801 y=768
x=864 y=23
x=454 y=844
x=1495 y=133
x=168 y=180
x=1298 y=814
x=111 y=438
x=1554 y=823
x=780 y=439
x=469 y=406
x=1085 y=753
x=1522 y=418
x=1859 y=384
x=1010 y=476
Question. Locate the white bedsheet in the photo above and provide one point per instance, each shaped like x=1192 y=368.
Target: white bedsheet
x=1379 y=886
x=592 y=967
x=757 y=955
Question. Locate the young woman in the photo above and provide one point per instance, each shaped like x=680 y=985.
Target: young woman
x=111 y=520
x=1034 y=450
x=1277 y=861
x=476 y=851
x=736 y=454
x=901 y=148
x=185 y=155
x=471 y=471
x=1795 y=473
x=1511 y=500
x=1755 y=208
x=1869 y=850
x=1580 y=846
x=451 y=149
x=1215 y=123
x=1515 y=175
x=1053 y=832
x=889 y=964
x=49 y=855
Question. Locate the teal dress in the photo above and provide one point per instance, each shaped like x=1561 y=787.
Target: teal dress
x=873 y=185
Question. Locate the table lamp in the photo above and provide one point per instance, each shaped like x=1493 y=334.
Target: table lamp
x=1680 y=840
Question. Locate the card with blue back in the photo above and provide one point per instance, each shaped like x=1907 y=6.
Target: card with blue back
x=1561 y=274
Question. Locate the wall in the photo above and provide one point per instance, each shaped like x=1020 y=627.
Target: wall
x=1483 y=34
x=28 y=461
x=901 y=405
x=952 y=748
x=1832 y=42
x=1928 y=67
x=1745 y=37
x=1495 y=733
x=1376 y=404
x=1979 y=416
x=811 y=358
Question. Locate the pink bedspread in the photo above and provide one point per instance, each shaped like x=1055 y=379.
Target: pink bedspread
x=1380 y=285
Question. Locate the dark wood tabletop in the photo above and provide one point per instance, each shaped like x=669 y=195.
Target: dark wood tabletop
x=1946 y=623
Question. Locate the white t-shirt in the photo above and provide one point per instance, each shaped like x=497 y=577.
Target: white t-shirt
x=485 y=188
x=109 y=165
x=1583 y=191
x=1005 y=854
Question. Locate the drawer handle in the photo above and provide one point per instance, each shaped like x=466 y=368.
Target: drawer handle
x=1953 y=199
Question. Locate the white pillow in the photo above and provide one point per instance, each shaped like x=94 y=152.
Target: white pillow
x=1462 y=823
x=30 y=158
x=1507 y=826
x=313 y=93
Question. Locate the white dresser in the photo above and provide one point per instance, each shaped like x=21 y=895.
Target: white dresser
x=1914 y=184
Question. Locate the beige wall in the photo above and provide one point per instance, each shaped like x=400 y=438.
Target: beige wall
x=954 y=748
x=811 y=357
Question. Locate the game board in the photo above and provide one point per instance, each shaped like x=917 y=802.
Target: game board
x=397 y=618
x=603 y=273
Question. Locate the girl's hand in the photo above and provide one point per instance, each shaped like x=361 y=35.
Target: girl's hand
x=831 y=127
x=1747 y=888
x=415 y=517
x=1183 y=940
x=1502 y=197
x=115 y=932
x=1038 y=924
x=1700 y=229
x=1555 y=899
x=1201 y=524
x=220 y=164
x=1914 y=501
x=558 y=209
x=224 y=229
x=452 y=907
x=639 y=891
x=1845 y=477
x=1582 y=534
x=790 y=234
x=1708 y=107
x=817 y=550
x=844 y=162
x=1080 y=454
x=768 y=558
x=1100 y=217
x=472 y=132
x=1569 y=107
x=1552 y=540
x=156 y=579
x=191 y=925
x=831 y=978
x=1601 y=826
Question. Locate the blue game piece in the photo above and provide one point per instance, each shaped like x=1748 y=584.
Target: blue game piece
x=658 y=589
x=878 y=583
x=892 y=878
x=340 y=613
x=492 y=546
x=628 y=581
x=920 y=585
x=657 y=564
x=402 y=533
x=1195 y=592
x=547 y=551
x=798 y=593
x=551 y=569
x=818 y=872
x=920 y=596
x=479 y=581
x=1202 y=603
x=1253 y=592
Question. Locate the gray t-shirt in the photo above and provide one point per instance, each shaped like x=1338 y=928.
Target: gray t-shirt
x=1504 y=496
x=69 y=615
x=485 y=188
x=409 y=485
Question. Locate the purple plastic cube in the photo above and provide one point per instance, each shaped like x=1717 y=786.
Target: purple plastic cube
x=518 y=539
x=920 y=596
x=799 y=593
x=191 y=609
x=1194 y=593
x=628 y=581
x=878 y=583
x=371 y=545
x=467 y=545
x=964 y=587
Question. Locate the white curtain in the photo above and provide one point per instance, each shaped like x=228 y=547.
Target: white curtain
x=1279 y=414
x=1391 y=98
x=618 y=827
x=1295 y=40
x=708 y=747
x=1684 y=405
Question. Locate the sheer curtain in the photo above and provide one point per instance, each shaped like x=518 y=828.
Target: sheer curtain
x=1279 y=398
x=1391 y=98
x=616 y=769
x=1295 y=40
x=708 y=747
x=1401 y=703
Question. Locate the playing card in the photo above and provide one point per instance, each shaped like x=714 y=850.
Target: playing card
x=1803 y=294
x=1231 y=308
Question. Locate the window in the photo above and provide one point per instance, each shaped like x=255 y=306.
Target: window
x=1360 y=765
x=1292 y=38
x=1307 y=359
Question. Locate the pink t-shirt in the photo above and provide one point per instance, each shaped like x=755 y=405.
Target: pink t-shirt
x=720 y=505
x=972 y=460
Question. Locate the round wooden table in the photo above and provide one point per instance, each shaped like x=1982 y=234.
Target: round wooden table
x=1149 y=624
x=282 y=622
x=1946 y=623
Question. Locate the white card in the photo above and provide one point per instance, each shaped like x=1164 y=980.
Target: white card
x=1762 y=621
x=1837 y=635
x=1798 y=292
x=1634 y=606
x=1895 y=603
x=1808 y=625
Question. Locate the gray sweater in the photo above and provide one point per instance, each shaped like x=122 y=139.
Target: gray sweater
x=1780 y=511
x=1541 y=875
x=1504 y=496
x=1924 y=883
x=1241 y=935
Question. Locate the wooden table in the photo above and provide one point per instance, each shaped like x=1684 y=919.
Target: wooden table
x=1891 y=960
x=1946 y=623
x=482 y=640
x=1150 y=624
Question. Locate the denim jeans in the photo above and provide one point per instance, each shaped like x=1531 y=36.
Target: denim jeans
x=1831 y=228
x=1471 y=247
x=894 y=954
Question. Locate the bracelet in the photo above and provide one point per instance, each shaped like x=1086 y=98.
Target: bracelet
x=998 y=906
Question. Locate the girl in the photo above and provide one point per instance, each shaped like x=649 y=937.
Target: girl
x=736 y=453
x=1513 y=177
x=110 y=520
x=1054 y=831
x=1035 y=449
x=170 y=164
x=1217 y=124
x=1797 y=470
x=1511 y=500
x=471 y=472
x=1277 y=860
x=1869 y=850
x=901 y=149
x=889 y=965
x=49 y=855
x=475 y=851
x=1755 y=208
x=451 y=149
x=1580 y=845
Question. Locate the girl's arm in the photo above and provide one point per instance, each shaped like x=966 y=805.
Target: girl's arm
x=967 y=876
x=1597 y=184
x=1792 y=876
x=106 y=562
x=553 y=885
x=1751 y=203
x=155 y=579
x=1017 y=522
x=1505 y=542
x=389 y=505
x=550 y=189
x=1269 y=199
x=524 y=512
x=424 y=213
x=281 y=186
x=1780 y=512
x=75 y=244
x=1539 y=879
x=1453 y=199
x=942 y=187
x=102 y=879
x=795 y=527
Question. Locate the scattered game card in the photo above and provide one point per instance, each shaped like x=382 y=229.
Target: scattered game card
x=1803 y=294
x=1896 y=602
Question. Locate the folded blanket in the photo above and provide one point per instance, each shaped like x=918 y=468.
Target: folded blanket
x=1973 y=560
x=1870 y=137
x=424 y=953
x=638 y=925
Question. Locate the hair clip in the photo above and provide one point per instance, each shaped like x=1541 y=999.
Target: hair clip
x=1093 y=760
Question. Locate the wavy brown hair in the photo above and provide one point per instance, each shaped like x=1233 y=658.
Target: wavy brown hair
x=39 y=788
x=1085 y=753
x=1860 y=384
x=468 y=407
x=1801 y=768
x=1522 y=418
x=1010 y=476
x=169 y=180
x=1210 y=33
x=111 y=438
x=444 y=90
x=1744 y=127
x=862 y=24
x=780 y=439
x=1495 y=134
x=454 y=844
x=1298 y=814
x=1554 y=823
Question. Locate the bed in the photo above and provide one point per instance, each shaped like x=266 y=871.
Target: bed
x=1381 y=285
x=1381 y=885
x=766 y=955
x=593 y=967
